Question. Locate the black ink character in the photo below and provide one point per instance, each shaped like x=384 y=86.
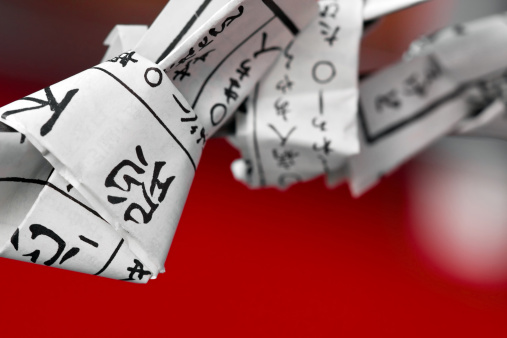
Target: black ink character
x=153 y=77
x=286 y=158
x=204 y=43
x=244 y=70
x=323 y=72
x=138 y=269
x=187 y=60
x=227 y=22
x=54 y=106
x=202 y=137
x=264 y=49
x=434 y=71
x=163 y=187
x=281 y=108
x=186 y=111
x=414 y=86
x=203 y=57
x=194 y=128
x=284 y=85
x=40 y=230
x=325 y=148
x=220 y=110
x=15 y=239
x=288 y=56
x=124 y=58
x=390 y=100
x=329 y=11
x=110 y=259
x=230 y=94
x=319 y=125
x=89 y=241
x=419 y=86
x=321 y=102
x=331 y=34
x=190 y=55
x=283 y=139
x=182 y=73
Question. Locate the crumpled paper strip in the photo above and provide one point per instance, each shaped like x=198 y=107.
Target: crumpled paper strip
x=442 y=82
x=125 y=138
x=301 y=120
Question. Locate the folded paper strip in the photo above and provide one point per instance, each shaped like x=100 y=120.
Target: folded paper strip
x=125 y=138
x=450 y=82
x=449 y=77
x=300 y=121
x=96 y=169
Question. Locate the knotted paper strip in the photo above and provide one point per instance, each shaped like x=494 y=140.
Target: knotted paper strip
x=125 y=138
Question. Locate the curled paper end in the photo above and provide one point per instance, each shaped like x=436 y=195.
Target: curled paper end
x=493 y=112
x=239 y=170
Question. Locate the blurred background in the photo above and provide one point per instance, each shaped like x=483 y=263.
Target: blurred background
x=423 y=253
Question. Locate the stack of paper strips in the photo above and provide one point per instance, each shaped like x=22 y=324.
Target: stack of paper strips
x=96 y=169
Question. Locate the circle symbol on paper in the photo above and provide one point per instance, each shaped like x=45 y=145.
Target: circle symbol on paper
x=153 y=76
x=220 y=107
x=323 y=72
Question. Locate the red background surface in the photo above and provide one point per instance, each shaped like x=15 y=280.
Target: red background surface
x=308 y=262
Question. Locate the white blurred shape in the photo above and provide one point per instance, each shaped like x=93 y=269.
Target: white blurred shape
x=459 y=208
x=376 y=8
x=239 y=170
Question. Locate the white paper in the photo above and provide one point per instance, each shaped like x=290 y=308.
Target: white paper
x=376 y=8
x=219 y=68
x=125 y=143
x=123 y=38
x=94 y=135
x=489 y=119
x=495 y=128
x=62 y=231
x=490 y=100
x=301 y=119
x=176 y=22
x=408 y=106
x=22 y=170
